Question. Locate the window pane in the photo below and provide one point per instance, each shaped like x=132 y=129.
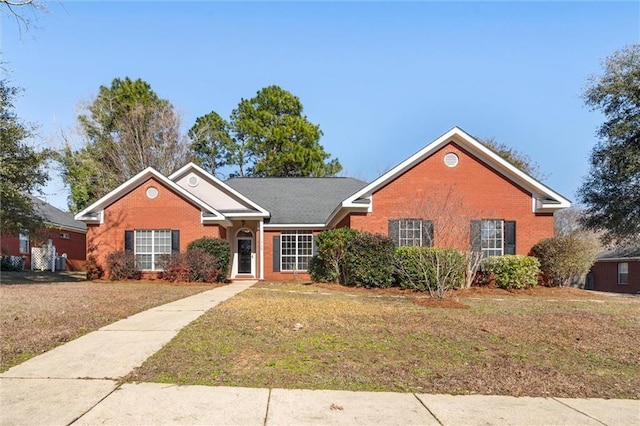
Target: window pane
x=492 y=241
x=296 y=248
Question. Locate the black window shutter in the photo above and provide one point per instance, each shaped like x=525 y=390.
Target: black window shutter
x=276 y=253
x=394 y=231
x=314 y=247
x=509 y=237
x=175 y=241
x=128 y=240
x=476 y=235
x=427 y=233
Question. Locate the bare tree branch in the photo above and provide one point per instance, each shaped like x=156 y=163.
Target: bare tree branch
x=18 y=9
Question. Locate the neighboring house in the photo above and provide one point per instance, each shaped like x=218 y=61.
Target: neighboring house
x=67 y=235
x=271 y=222
x=616 y=270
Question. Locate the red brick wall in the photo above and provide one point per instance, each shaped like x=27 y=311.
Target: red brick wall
x=136 y=211
x=605 y=277
x=269 y=274
x=74 y=247
x=486 y=195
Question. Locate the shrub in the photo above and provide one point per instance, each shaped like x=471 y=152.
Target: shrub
x=432 y=269
x=93 y=268
x=512 y=271
x=562 y=258
x=217 y=248
x=174 y=267
x=328 y=265
x=368 y=261
x=195 y=265
x=203 y=267
x=12 y=263
x=122 y=266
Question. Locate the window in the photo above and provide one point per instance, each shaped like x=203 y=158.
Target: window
x=24 y=243
x=296 y=249
x=411 y=232
x=492 y=234
x=149 y=246
x=623 y=273
x=65 y=236
x=493 y=237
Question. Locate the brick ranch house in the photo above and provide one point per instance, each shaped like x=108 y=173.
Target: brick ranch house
x=67 y=235
x=616 y=270
x=270 y=223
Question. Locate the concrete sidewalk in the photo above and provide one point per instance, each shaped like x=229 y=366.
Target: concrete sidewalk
x=77 y=384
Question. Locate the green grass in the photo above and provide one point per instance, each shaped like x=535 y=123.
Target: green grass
x=523 y=345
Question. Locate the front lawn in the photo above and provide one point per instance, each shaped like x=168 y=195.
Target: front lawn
x=550 y=342
x=35 y=318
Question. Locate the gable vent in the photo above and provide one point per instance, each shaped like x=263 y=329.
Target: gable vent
x=193 y=181
x=451 y=159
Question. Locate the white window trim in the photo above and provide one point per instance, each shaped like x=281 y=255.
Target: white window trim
x=485 y=250
x=402 y=226
x=24 y=240
x=153 y=253
x=620 y=273
x=297 y=254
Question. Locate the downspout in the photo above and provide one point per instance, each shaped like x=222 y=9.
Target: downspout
x=261 y=249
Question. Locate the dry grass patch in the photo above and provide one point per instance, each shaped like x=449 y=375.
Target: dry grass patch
x=296 y=336
x=37 y=317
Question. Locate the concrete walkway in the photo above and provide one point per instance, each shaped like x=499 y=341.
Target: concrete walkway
x=77 y=384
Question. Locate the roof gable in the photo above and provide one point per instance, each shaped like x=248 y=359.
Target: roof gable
x=94 y=213
x=214 y=192
x=545 y=199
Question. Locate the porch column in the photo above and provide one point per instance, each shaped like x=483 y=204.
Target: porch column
x=261 y=247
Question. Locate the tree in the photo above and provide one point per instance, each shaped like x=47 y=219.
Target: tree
x=449 y=225
x=15 y=9
x=266 y=136
x=611 y=190
x=22 y=168
x=566 y=257
x=517 y=159
x=125 y=129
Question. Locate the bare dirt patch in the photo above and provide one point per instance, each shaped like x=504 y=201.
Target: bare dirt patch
x=308 y=336
x=37 y=317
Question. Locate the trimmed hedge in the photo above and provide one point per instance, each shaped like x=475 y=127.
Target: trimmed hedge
x=368 y=261
x=353 y=258
x=431 y=269
x=512 y=271
x=219 y=249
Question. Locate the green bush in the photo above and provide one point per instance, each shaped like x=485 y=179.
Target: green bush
x=512 y=271
x=368 y=261
x=122 y=266
x=432 y=269
x=562 y=258
x=217 y=248
x=327 y=265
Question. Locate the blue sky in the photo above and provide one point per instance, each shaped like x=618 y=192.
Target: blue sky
x=382 y=79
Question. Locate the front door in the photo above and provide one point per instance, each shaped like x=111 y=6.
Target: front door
x=244 y=256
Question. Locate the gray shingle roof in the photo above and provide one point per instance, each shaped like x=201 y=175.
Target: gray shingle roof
x=297 y=200
x=57 y=217
x=620 y=252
